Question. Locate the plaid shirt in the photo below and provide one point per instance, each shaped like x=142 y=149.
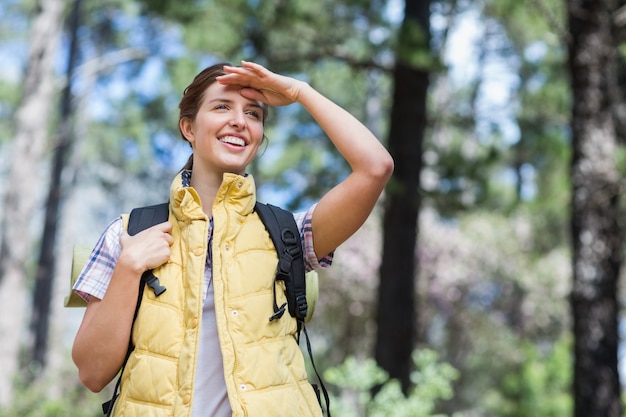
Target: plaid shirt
x=96 y=274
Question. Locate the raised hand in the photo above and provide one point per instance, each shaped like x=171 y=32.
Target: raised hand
x=259 y=83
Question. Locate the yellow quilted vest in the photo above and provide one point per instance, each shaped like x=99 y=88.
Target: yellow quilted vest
x=263 y=366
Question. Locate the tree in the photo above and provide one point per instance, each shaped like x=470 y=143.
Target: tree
x=58 y=189
x=596 y=231
x=44 y=275
x=396 y=330
x=31 y=133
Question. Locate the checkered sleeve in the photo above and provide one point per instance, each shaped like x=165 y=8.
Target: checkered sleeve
x=311 y=261
x=95 y=276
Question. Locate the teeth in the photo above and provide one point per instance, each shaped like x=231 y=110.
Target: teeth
x=233 y=140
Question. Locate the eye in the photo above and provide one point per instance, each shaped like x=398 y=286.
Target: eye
x=221 y=106
x=255 y=114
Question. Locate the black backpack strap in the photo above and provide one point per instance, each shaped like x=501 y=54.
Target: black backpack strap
x=319 y=378
x=140 y=218
x=284 y=232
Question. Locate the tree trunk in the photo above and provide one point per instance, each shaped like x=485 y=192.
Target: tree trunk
x=22 y=188
x=44 y=277
x=595 y=227
x=396 y=330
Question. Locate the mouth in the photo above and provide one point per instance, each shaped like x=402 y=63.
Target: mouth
x=232 y=140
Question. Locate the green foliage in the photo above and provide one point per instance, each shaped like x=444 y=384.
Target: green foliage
x=462 y=172
x=13 y=39
x=413 y=48
x=539 y=385
x=181 y=10
x=511 y=157
x=8 y=101
x=487 y=293
x=357 y=380
x=72 y=399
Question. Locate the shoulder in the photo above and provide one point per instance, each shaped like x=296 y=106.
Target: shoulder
x=114 y=230
x=311 y=259
x=108 y=246
x=96 y=273
x=303 y=219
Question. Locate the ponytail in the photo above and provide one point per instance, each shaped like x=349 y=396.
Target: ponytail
x=188 y=165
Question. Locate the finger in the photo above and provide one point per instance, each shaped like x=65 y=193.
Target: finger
x=233 y=72
x=246 y=73
x=234 y=79
x=252 y=94
x=164 y=227
x=257 y=68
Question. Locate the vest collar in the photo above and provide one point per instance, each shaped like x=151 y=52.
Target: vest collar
x=236 y=191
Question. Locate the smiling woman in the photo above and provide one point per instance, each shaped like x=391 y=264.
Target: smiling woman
x=201 y=347
x=225 y=133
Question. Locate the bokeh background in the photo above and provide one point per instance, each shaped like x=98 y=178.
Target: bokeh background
x=487 y=282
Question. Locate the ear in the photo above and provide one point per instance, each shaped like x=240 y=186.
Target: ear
x=186 y=128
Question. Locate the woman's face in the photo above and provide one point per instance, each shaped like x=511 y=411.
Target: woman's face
x=227 y=130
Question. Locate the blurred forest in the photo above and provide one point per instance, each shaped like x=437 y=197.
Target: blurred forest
x=487 y=283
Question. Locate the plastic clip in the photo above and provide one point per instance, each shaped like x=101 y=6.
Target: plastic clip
x=153 y=282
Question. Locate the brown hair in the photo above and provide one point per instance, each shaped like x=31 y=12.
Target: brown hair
x=194 y=93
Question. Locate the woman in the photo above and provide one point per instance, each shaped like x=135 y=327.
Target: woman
x=205 y=347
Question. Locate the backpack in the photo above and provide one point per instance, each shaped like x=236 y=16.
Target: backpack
x=301 y=289
x=301 y=292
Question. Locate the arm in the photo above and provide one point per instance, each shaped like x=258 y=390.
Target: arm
x=102 y=339
x=344 y=208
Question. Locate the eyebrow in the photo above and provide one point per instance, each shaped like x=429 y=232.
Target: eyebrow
x=253 y=103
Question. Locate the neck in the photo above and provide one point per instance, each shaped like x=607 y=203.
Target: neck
x=206 y=186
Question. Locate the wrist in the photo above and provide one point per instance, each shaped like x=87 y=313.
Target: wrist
x=302 y=91
x=130 y=264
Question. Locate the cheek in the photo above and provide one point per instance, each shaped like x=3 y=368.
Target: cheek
x=258 y=133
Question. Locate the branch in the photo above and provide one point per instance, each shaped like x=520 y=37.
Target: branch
x=110 y=60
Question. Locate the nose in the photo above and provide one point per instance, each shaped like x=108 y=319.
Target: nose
x=238 y=119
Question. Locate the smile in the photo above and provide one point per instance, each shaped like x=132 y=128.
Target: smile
x=232 y=140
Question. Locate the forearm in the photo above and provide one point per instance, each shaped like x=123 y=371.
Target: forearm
x=356 y=143
x=102 y=340
x=346 y=206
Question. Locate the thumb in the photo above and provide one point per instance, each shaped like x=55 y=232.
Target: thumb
x=252 y=94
